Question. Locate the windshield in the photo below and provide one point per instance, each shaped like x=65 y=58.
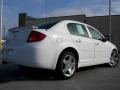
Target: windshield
x=45 y=26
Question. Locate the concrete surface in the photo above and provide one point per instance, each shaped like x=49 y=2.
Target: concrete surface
x=90 y=78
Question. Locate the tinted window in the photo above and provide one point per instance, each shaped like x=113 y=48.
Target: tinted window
x=72 y=29
x=46 y=25
x=95 y=34
x=77 y=29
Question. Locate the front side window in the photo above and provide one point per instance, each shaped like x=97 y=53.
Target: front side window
x=95 y=34
x=77 y=29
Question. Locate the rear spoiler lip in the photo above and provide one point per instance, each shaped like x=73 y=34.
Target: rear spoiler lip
x=31 y=28
x=14 y=28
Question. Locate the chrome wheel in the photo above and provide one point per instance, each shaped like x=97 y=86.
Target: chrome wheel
x=68 y=65
x=114 y=59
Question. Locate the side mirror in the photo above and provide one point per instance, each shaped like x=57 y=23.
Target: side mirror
x=107 y=38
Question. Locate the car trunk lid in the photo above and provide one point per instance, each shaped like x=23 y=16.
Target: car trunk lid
x=17 y=36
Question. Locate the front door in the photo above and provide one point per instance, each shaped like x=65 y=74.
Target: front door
x=101 y=47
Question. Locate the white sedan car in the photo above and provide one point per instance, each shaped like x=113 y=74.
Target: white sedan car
x=61 y=46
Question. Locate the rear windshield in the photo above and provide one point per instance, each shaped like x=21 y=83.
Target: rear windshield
x=45 y=26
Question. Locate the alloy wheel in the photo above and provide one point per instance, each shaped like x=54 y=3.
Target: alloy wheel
x=114 y=59
x=68 y=65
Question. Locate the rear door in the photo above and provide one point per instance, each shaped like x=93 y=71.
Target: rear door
x=82 y=41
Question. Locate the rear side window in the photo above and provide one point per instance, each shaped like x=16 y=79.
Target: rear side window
x=46 y=25
x=77 y=29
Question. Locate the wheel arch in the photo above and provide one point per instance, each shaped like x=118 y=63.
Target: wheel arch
x=114 y=49
x=73 y=50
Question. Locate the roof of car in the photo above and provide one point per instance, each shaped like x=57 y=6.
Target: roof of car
x=72 y=21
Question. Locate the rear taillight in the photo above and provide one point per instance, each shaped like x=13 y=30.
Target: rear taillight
x=36 y=36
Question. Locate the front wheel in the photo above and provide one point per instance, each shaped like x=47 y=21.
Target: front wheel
x=114 y=59
x=66 y=67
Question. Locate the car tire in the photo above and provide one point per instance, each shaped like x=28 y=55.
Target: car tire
x=66 y=66
x=24 y=68
x=114 y=59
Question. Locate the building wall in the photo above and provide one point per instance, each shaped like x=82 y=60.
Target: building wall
x=102 y=24
x=25 y=20
x=116 y=30
x=99 y=22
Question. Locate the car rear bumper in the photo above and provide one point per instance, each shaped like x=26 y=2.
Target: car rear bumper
x=31 y=55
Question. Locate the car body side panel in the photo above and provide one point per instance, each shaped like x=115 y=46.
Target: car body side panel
x=34 y=55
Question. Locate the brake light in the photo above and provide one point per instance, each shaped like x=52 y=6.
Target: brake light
x=36 y=36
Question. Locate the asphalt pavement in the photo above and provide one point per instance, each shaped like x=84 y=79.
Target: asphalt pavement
x=98 y=77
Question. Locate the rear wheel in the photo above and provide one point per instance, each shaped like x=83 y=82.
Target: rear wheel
x=114 y=59
x=66 y=65
x=24 y=67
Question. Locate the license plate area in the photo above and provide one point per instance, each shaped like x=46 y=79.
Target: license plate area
x=9 y=51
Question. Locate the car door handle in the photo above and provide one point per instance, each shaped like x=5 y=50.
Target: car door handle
x=79 y=40
x=96 y=43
